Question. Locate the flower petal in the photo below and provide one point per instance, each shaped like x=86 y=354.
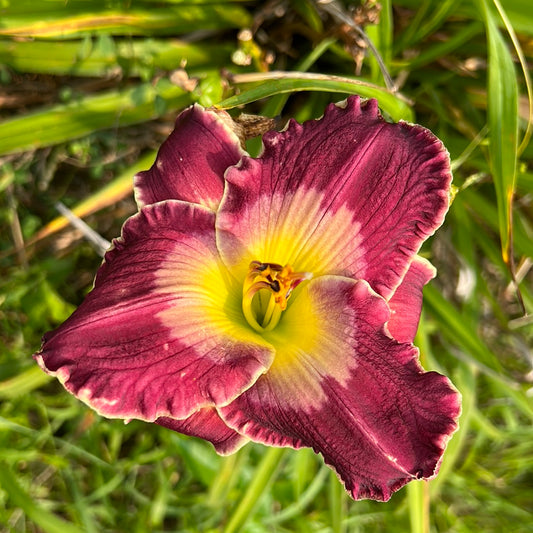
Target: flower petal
x=207 y=424
x=362 y=401
x=349 y=194
x=157 y=336
x=406 y=303
x=190 y=164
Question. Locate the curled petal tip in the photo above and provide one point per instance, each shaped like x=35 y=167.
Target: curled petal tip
x=191 y=163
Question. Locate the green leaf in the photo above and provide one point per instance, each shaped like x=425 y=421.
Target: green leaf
x=128 y=58
x=54 y=20
x=23 y=383
x=210 y=90
x=264 y=473
x=288 y=82
x=503 y=123
x=88 y=114
x=462 y=331
x=43 y=518
x=418 y=502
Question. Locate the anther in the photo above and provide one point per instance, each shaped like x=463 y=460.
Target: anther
x=274 y=285
x=261 y=311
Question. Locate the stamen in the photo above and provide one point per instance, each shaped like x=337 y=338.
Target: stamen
x=271 y=278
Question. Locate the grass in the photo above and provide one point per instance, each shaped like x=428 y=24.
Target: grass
x=86 y=98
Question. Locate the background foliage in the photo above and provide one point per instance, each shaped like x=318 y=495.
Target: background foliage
x=89 y=89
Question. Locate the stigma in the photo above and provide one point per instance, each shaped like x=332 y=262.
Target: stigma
x=265 y=292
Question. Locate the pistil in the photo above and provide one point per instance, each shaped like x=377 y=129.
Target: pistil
x=277 y=283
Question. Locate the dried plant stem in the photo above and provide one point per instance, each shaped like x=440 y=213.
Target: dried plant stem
x=99 y=243
x=16 y=230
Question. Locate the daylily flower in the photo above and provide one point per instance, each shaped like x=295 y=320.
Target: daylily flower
x=275 y=299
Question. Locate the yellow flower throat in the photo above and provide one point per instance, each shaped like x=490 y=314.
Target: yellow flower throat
x=265 y=292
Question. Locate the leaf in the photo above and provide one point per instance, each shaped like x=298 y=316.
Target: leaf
x=503 y=124
x=88 y=114
x=108 y=195
x=129 y=58
x=49 y=20
x=23 y=383
x=43 y=518
x=272 y=83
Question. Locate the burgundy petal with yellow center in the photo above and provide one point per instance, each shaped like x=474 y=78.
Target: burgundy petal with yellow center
x=275 y=299
x=342 y=386
x=152 y=339
x=349 y=194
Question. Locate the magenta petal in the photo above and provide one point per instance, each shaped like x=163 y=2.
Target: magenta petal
x=377 y=418
x=207 y=424
x=154 y=337
x=191 y=163
x=406 y=303
x=349 y=194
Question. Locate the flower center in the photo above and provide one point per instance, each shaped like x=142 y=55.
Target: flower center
x=265 y=292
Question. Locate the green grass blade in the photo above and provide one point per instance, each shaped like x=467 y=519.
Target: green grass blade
x=308 y=10
x=43 y=518
x=23 y=383
x=108 y=195
x=381 y=35
x=405 y=38
x=525 y=72
x=436 y=51
x=275 y=105
x=71 y=21
x=88 y=114
x=94 y=57
x=62 y=445
x=465 y=380
x=225 y=479
x=84 y=511
x=488 y=212
x=288 y=82
x=337 y=504
x=503 y=122
x=316 y=487
x=418 y=502
x=262 y=477
x=461 y=330
x=437 y=19
x=386 y=31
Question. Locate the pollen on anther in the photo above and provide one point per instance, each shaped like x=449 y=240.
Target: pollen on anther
x=275 y=286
